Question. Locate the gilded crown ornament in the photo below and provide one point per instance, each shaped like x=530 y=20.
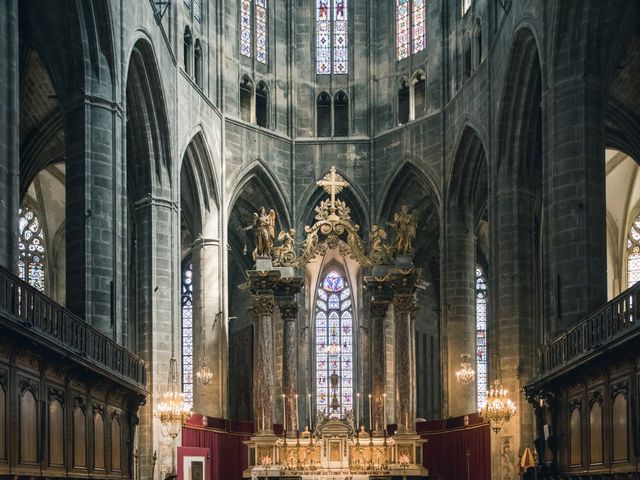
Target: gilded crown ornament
x=499 y=408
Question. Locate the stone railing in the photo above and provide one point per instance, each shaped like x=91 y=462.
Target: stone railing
x=613 y=321
x=28 y=308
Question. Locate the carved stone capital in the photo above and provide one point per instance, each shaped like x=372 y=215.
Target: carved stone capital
x=405 y=303
x=289 y=310
x=262 y=305
x=379 y=309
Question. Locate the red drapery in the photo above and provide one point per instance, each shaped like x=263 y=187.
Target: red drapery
x=224 y=440
x=448 y=444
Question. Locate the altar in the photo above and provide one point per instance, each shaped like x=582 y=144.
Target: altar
x=341 y=441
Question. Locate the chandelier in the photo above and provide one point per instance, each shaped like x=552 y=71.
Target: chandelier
x=499 y=408
x=204 y=375
x=466 y=374
x=172 y=410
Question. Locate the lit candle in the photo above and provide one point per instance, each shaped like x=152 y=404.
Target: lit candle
x=370 y=422
x=357 y=412
x=309 y=409
x=284 y=413
x=296 y=425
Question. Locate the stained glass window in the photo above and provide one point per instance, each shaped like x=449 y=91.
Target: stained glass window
x=633 y=253
x=254 y=26
x=410 y=27
x=332 y=36
x=402 y=28
x=187 y=334
x=481 y=337
x=466 y=5
x=31 y=249
x=334 y=347
x=197 y=10
x=417 y=26
x=261 y=31
x=245 y=28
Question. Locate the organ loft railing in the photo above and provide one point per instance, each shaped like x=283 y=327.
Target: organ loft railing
x=612 y=323
x=28 y=308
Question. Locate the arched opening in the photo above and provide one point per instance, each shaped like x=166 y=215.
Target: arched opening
x=341 y=115
x=323 y=115
x=404 y=101
x=262 y=105
x=477 y=40
x=246 y=99
x=197 y=64
x=467 y=58
x=187 y=42
x=419 y=95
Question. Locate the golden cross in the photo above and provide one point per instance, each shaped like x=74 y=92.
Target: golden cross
x=333 y=183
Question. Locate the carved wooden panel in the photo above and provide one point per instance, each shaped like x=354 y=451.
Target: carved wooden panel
x=3 y=424
x=620 y=428
x=79 y=438
x=28 y=427
x=575 y=437
x=98 y=441
x=56 y=433
x=595 y=433
x=116 y=447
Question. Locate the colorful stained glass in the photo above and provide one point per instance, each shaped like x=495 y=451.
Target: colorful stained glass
x=633 y=253
x=402 y=29
x=197 y=10
x=323 y=38
x=31 y=249
x=334 y=346
x=481 y=338
x=261 y=31
x=418 y=25
x=340 y=37
x=187 y=334
x=245 y=28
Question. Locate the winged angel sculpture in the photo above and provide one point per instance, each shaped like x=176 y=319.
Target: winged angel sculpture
x=264 y=225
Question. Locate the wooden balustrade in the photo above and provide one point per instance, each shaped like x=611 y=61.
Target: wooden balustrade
x=22 y=303
x=616 y=319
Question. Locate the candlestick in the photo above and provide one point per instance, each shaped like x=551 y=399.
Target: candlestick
x=284 y=414
x=370 y=422
x=296 y=425
x=384 y=412
x=357 y=412
x=309 y=409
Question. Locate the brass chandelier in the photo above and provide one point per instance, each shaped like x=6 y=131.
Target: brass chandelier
x=499 y=408
x=466 y=374
x=172 y=410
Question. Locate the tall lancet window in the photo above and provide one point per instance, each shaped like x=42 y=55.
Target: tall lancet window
x=332 y=37
x=31 y=249
x=633 y=253
x=334 y=346
x=481 y=337
x=410 y=27
x=187 y=333
x=254 y=29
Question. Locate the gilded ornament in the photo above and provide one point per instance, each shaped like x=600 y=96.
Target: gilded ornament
x=405 y=225
x=264 y=226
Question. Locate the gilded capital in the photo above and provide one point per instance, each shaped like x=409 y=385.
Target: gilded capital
x=405 y=303
x=262 y=305
x=379 y=309
x=289 y=310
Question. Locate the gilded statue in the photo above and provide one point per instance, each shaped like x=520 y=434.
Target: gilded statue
x=404 y=224
x=285 y=254
x=379 y=253
x=264 y=225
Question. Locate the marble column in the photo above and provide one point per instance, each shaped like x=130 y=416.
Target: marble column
x=405 y=307
x=378 y=309
x=289 y=312
x=263 y=390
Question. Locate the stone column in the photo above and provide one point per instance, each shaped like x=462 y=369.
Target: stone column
x=405 y=307
x=263 y=390
x=378 y=309
x=9 y=138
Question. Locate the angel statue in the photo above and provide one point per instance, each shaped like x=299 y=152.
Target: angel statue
x=264 y=226
x=285 y=254
x=404 y=223
x=379 y=253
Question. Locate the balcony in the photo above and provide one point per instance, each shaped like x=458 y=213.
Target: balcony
x=29 y=312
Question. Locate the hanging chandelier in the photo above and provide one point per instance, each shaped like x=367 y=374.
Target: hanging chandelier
x=466 y=374
x=172 y=410
x=204 y=375
x=499 y=408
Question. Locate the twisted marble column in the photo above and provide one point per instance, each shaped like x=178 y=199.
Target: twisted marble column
x=262 y=311
x=405 y=306
x=378 y=310
x=289 y=312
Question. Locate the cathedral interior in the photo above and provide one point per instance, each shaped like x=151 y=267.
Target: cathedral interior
x=309 y=239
